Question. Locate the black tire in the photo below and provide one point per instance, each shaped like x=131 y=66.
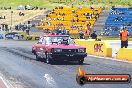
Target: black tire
x=48 y=60
x=33 y=51
x=37 y=58
x=81 y=61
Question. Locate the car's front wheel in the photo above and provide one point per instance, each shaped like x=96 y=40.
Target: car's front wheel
x=33 y=51
x=37 y=58
x=48 y=60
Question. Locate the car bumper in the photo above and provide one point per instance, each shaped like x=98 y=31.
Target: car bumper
x=68 y=57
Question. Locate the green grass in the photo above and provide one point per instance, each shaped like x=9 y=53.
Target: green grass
x=15 y=3
x=106 y=3
x=49 y=4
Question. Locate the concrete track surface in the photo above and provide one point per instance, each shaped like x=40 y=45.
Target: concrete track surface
x=19 y=67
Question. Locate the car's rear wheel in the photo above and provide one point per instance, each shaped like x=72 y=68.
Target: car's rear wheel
x=81 y=61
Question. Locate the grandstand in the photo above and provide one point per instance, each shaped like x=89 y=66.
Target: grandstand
x=70 y=18
x=118 y=17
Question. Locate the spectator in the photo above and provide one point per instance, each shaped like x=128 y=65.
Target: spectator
x=81 y=35
x=79 y=28
x=41 y=8
x=53 y=11
x=116 y=29
x=47 y=15
x=64 y=31
x=91 y=8
x=63 y=14
x=87 y=32
x=77 y=19
x=54 y=18
x=21 y=14
x=72 y=26
x=94 y=35
x=52 y=33
x=72 y=6
x=4 y=17
x=59 y=31
x=97 y=16
x=76 y=15
x=73 y=11
x=16 y=27
x=36 y=8
x=80 y=7
x=27 y=31
x=58 y=18
x=124 y=37
x=118 y=19
x=67 y=32
x=75 y=26
x=72 y=20
x=19 y=26
x=47 y=30
x=61 y=7
x=9 y=8
x=59 y=14
x=62 y=18
x=25 y=26
x=56 y=7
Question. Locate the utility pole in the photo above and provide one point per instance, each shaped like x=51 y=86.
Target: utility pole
x=11 y=19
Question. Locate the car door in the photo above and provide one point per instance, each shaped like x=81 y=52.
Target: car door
x=38 y=45
x=40 y=48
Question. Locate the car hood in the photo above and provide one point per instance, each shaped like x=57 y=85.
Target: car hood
x=63 y=46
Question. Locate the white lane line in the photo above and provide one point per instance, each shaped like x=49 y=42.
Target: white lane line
x=8 y=85
x=51 y=82
x=114 y=59
x=4 y=82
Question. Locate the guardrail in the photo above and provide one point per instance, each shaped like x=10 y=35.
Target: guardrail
x=124 y=54
x=98 y=48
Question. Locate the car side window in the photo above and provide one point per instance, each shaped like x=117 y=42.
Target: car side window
x=40 y=41
x=43 y=41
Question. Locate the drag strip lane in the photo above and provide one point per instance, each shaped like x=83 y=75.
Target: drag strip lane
x=34 y=71
x=18 y=62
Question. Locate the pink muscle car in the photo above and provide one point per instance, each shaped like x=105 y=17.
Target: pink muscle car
x=51 y=48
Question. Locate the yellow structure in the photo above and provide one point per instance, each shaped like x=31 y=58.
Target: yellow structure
x=33 y=37
x=98 y=48
x=124 y=54
x=8 y=35
x=65 y=17
x=13 y=34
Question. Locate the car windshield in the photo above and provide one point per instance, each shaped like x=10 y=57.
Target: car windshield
x=58 y=39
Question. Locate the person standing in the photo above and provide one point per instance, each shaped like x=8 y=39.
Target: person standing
x=124 y=37
x=81 y=34
x=94 y=35
x=87 y=32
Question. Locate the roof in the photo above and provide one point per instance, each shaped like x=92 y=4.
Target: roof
x=50 y=35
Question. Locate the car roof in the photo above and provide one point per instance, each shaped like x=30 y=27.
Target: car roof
x=55 y=35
